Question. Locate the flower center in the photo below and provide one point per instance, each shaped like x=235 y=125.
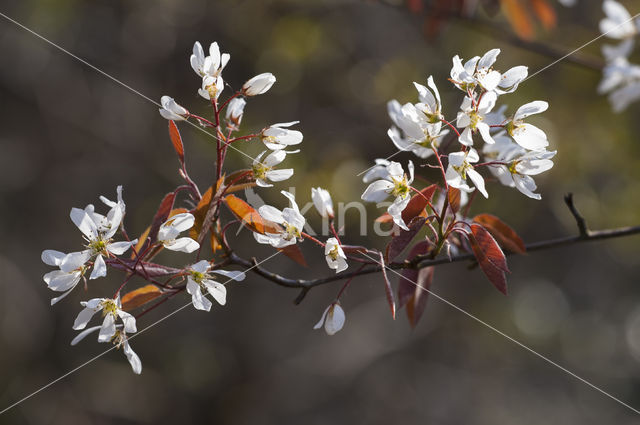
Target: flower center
x=290 y=231
x=98 y=246
x=462 y=169
x=475 y=119
x=333 y=253
x=109 y=307
x=512 y=167
x=260 y=171
x=401 y=187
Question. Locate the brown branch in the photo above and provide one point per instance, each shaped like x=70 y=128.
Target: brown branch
x=422 y=262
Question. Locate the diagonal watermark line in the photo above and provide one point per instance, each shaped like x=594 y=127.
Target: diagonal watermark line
x=162 y=319
x=538 y=72
x=515 y=341
x=115 y=80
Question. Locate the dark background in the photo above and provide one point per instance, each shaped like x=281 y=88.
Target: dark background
x=68 y=134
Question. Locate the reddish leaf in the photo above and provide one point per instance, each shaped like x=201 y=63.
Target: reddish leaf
x=415 y=6
x=406 y=285
x=294 y=252
x=415 y=207
x=454 y=199
x=489 y=256
x=176 y=140
x=417 y=303
x=545 y=13
x=199 y=212
x=140 y=297
x=249 y=216
x=504 y=234
x=400 y=242
x=387 y=288
x=518 y=18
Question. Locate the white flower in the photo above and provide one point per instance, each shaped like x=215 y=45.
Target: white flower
x=278 y=136
x=527 y=135
x=199 y=279
x=64 y=279
x=322 y=201
x=420 y=135
x=618 y=23
x=211 y=87
x=336 y=259
x=290 y=219
x=395 y=184
x=378 y=171
x=430 y=104
x=235 y=110
x=170 y=229
x=332 y=319
x=460 y=168
x=119 y=339
x=98 y=231
x=210 y=65
x=462 y=75
x=111 y=311
x=259 y=84
x=472 y=118
x=263 y=170
x=171 y=110
x=510 y=80
x=485 y=75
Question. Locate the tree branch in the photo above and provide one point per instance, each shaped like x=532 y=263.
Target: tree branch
x=422 y=262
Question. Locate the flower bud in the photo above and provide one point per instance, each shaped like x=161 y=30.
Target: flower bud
x=259 y=84
x=171 y=110
x=322 y=201
x=333 y=319
x=235 y=110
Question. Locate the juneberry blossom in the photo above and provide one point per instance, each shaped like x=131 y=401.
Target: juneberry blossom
x=235 y=110
x=378 y=171
x=478 y=71
x=199 y=279
x=290 y=220
x=264 y=169
x=279 y=136
x=618 y=23
x=322 y=201
x=65 y=279
x=111 y=310
x=170 y=229
x=419 y=135
x=119 y=339
x=514 y=165
x=527 y=135
x=259 y=84
x=396 y=184
x=336 y=259
x=472 y=118
x=171 y=110
x=332 y=318
x=98 y=231
x=430 y=104
x=211 y=65
x=620 y=78
x=460 y=167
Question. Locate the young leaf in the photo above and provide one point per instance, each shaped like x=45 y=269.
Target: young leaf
x=417 y=303
x=454 y=199
x=294 y=252
x=249 y=216
x=176 y=140
x=387 y=288
x=545 y=13
x=518 y=17
x=490 y=257
x=399 y=242
x=140 y=296
x=406 y=285
x=504 y=234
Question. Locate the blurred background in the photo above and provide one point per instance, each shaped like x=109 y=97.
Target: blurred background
x=68 y=135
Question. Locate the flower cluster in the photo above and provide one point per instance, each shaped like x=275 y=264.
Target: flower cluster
x=513 y=149
x=620 y=78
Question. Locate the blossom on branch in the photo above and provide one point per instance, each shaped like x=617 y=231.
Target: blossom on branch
x=332 y=318
x=119 y=339
x=336 y=259
x=278 y=136
x=322 y=201
x=259 y=84
x=290 y=219
x=263 y=169
x=111 y=310
x=199 y=279
x=170 y=229
x=171 y=110
x=461 y=167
